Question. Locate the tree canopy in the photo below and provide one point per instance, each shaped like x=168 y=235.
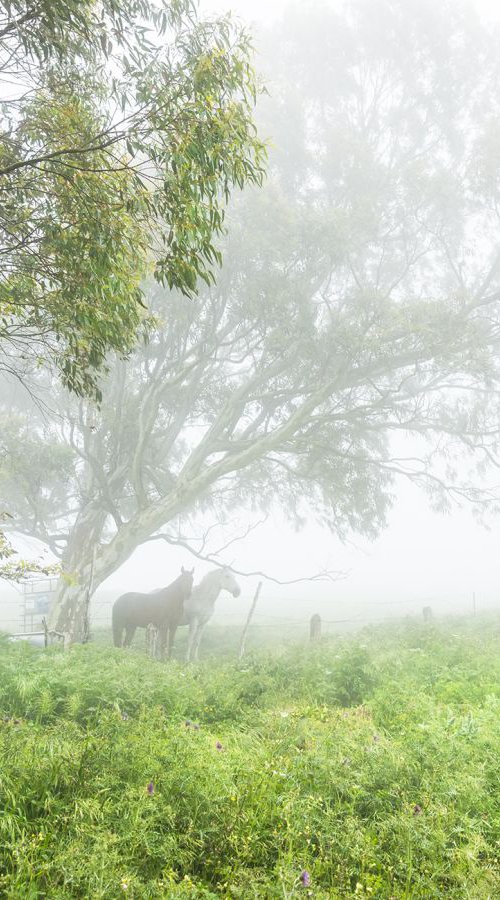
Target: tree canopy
x=123 y=128
x=358 y=304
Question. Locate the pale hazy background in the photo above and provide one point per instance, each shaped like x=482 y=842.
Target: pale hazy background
x=422 y=557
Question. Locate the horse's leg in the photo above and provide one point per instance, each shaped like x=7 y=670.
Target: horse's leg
x=199 y=632
x=129 y=635
x=191 y=636
x=117 y=630
x=161 y=641
x=171 y=637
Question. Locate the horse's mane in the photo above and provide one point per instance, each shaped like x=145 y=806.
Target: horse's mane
x=167 y=587
x=207 y=580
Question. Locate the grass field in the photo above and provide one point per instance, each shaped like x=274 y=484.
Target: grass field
x=371 y=763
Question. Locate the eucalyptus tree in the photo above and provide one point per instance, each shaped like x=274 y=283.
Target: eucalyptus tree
x=358 y=303
x=123 y=128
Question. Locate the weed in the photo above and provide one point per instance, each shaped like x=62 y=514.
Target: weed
x=370 y=765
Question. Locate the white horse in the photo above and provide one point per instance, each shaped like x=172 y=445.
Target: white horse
x=199 y=607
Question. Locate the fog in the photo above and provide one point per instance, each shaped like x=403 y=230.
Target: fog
x=257 y=11
x=250 y=448
x=421 y=557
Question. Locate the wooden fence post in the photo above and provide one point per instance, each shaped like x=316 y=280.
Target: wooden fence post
x=249 y=619
x=315 y=627
x=88 y=597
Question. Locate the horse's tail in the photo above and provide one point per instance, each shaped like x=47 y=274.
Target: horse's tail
x=117 y=627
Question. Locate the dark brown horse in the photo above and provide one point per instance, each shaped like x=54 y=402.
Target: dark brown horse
x=163 y=608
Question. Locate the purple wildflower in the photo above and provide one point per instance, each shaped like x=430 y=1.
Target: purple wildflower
x=417 y=809
x=218 y=745
x=151 y=788
x=305 y=878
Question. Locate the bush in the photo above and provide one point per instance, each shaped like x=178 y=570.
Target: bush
x=373 y=765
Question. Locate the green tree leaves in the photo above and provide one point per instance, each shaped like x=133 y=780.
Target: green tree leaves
x=118 y=160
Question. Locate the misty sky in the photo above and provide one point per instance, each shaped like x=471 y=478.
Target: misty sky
x=263 y=10
x=421 y=557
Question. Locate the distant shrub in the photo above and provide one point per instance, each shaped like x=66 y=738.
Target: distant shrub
x=353 y=676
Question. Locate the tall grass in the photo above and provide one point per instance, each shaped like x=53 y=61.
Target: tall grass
x=370 y=763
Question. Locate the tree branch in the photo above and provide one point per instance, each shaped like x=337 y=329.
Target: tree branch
x=325 y=575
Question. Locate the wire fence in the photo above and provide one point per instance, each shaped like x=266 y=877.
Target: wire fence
x=13 y=619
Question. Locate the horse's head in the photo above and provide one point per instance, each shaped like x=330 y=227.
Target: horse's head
x=186 y=580
x=228 y=582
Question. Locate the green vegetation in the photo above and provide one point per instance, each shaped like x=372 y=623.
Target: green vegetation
x=124 y=128
x=371 y=763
